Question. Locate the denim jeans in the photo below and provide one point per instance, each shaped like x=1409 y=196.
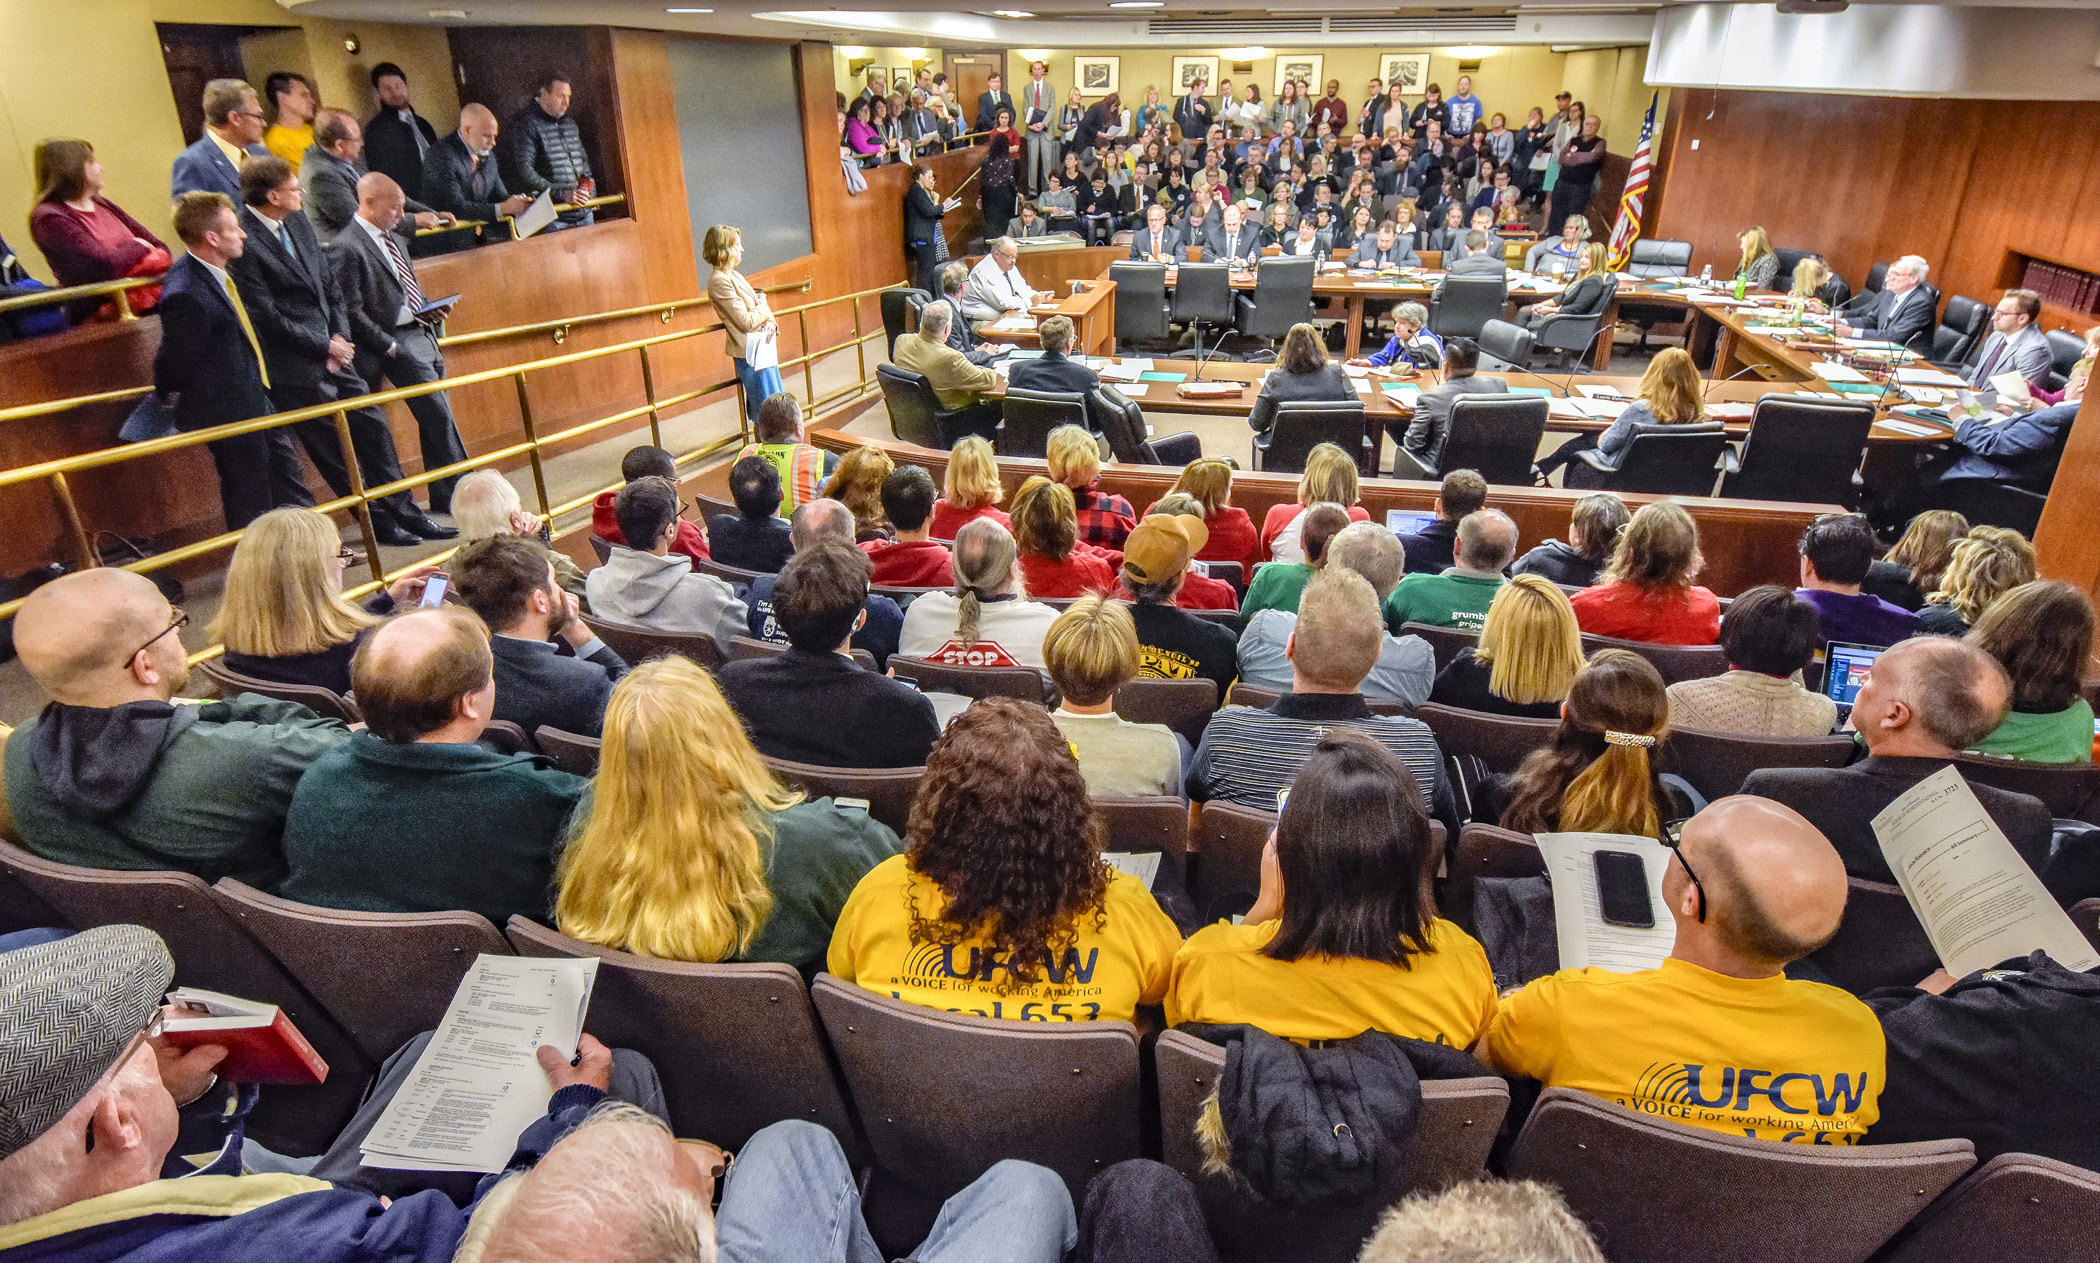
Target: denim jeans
x=758 y=384
x=791 y=1199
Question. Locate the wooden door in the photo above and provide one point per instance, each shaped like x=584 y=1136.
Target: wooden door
x=971 y=76
x=196 y=54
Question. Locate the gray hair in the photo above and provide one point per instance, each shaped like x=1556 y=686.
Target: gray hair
x=953 y=276
x=1371 y=551
x=987 y=563
x=934 y=321
x=1483 y=1219
x=1915 y=265
x=1413 y=313
x=1005 y=245
x=820 y=519
x=1487 y=540
x=482 y=503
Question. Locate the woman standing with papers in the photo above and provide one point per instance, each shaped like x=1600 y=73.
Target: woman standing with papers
x=746 y=319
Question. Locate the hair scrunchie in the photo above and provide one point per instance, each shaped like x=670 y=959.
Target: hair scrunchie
x=1628 y=739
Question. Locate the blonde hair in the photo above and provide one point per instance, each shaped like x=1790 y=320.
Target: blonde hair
x=1757 y=243
x=1659 y=549
x=281 y=600
x=1092 y=649
x=1988 y=563
x=1340 y=631
x=1208 y=481
x=1074 y=458
x=671 y=862
x=857 y=484
x=1597 y=775
x=1809 y=275
x=1670 y=388
x=1592 y=260
x=1045 y=518
x=717 y=244
x=1928 y=545
x=1329 y=477
x=972 y=477
x=1532 y=642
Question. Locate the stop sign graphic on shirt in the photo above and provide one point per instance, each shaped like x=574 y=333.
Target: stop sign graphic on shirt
x=980 y=653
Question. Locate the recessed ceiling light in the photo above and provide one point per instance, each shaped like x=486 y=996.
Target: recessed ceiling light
x=1137 y=4
x=689 y=10
x=1012 y=13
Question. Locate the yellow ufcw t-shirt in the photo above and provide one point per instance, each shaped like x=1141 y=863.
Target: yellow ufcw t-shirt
x=1104 y=975
x=1765 y=1057
x=1444 y=995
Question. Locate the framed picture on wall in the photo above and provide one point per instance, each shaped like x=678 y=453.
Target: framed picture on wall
x=1409 y=70
x=1189 y=69
x=1097 y=76
x=1303 y=67
x=901 y=75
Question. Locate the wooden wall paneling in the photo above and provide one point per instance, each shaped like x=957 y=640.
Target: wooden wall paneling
x=500 y=67
x=2067 y=543
x=2027 y=198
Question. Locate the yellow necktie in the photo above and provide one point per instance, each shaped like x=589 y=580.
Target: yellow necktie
x=240 y=313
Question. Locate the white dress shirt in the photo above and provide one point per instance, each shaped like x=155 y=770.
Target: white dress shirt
x=992 y=292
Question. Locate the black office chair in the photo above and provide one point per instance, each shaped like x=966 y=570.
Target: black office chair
x=1123 y=423
x=1800 y=449
x=1653 y=259
x=1027 y=417
x=1469 y=302
x=1986 y=503
x=1202 y=299
x=1498 y=435
x=2065 y=348
x=1505 y=347
x=896 y=303
x=1788 y=261
x=1282 y=297
x=915 y=411
x=1142 y=314
x=1877 y=276
x=1301 y=425
x=1959 y=332
x=1678 y=461
x=1570 y=337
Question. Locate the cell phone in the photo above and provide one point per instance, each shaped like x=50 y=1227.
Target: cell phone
x=1622 y=890
x=433 y=592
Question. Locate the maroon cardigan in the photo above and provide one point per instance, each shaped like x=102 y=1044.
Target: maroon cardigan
x=77 y=257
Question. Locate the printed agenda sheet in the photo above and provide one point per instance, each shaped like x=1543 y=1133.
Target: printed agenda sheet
x=1586 y=940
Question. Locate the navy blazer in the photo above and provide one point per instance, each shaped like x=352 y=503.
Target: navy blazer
x=204 y=359
x=1052 y=371
x=535 y=685
x=292 y=298
x=205 y=168
x=2022 y=450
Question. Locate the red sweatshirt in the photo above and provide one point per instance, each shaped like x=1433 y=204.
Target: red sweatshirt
x=690 y=542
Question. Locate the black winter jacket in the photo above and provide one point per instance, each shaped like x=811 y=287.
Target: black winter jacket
x=542 y=153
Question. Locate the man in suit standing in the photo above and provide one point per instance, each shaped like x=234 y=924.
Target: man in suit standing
x=304 y=327
x=2016 y=344
x=233 y=129
x=1903 y=311
x=460 y=175
x=330 y=171
x=397 y=138
x=1038 y=112
x=1053 y=371
x=1238 y=242
x=1386 y=250
x=393 y=343
x=1156 y=242
x=209 y=368
x=991 y=101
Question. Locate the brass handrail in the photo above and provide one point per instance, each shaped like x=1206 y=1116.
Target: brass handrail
x=120 y=287
x=610 y=199
x=561 y=327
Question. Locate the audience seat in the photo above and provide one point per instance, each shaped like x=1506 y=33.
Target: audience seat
x=1487 y=850
x=1675 y=662
x=506 y=737
x=639 y=644
x=21 y=909
x=1500 y=742
x=1655 y=1191
x=1245 y=694
x=1802 y=450
x=385 y=976
x=1226 y=845
x=213 y=952
x=1183 y=705
x=1677 y=462
x=943 y=1096
x=742 y=647
x=1717 y=763
x=735 y=576
x=1147 y=825
x=2067 y=788
x=1025 y=683
x=1880 y=942
x=226 y=682
x=1444 y=642
x=2016 y=1206
x=1457 y=1125
x=602 y=547
x=738 y=1046
x=2085 y=914
x=888 y=791
x=708 y=506
x=571 y=751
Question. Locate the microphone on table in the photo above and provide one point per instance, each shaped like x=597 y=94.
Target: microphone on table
x=1204 y=358
x=1575 y=364
x=1706 y=397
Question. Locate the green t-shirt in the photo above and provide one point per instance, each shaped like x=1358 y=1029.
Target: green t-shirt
x=1277 y=586
x=1441 y=600
x=2063 y=736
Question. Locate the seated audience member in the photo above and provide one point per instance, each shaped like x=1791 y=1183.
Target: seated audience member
x=1480 y=1220
x=814 y=703
x=510 y=583
x=1001 y=905
x=284 y=617
x=1074 y=459
x=1647 y=593
x=1173 y=644
x=1598 y=773
x=1835 y=553
x=644 y=585
x=1198 y=590
x=1422 y=436
x=1527 y=657
x=1988 y=563
x=1405 y=663
x=1922 y=702
x=485 y=505
x=1046 y=529
x=1329 y=478
x=486 y=825
x=86 y=238
x=988 y=620
x=688 y=848
x=802 y=467
x=1248 y=754
x=1670 y=394
x=1343 y=937
x=2042 y=634
x=1460 y=596
x=1770 y=634
x=1430 y=550
x=826 y=519
x=970 y=489
x=1302 y=374
x=1093 y=651
x=1913 y=567
x=1053 y=371
x=1208 y=479
x=913 y=558
x=755 y=537
x=110 y=775
x=1752 y=888
x=1278 y=584
x=1593 y=527
x=957 y=384
x=640 y=462
x=857 y=484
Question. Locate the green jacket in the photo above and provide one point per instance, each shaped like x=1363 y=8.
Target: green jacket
x=1441 y=600
x=384 y=827
x=820 y=852
x=1277 y=585
x=213 y=803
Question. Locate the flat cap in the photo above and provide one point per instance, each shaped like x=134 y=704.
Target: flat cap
x=67 y=1011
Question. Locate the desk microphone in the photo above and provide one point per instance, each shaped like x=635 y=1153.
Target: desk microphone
x=1706 y=397
x=1204 y=358
x=1575 y=365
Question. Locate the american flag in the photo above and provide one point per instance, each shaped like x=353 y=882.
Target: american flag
x=1628 y=230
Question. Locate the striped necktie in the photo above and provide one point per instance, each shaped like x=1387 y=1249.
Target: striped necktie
x=240 y=313
x=410 y=291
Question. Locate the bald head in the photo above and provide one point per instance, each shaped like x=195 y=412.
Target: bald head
x=477 y=127
x=820 y=519
x=1929 y=697
x=84 y=639
x=380 y=200
x=1775 y=887
x=427 y=675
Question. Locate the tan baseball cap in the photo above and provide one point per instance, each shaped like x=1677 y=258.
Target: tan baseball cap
x=1162 y=545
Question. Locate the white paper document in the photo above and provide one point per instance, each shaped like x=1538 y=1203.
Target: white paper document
x=1926 y=375
x=1143 y=865
x=2011 y=386
x=536 y=216
x=478 y=1083
x=1586 y=939
x=762 y=349
x=1126 y=371
x=1979 y=901
x=1912 y=428
x=1832 y=371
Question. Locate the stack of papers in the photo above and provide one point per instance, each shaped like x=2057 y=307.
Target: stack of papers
x=1832 y=371
x=1405 y=396
x=1143 y=865
x=1018 y=323
x=1927 y=375
x=1126 y=371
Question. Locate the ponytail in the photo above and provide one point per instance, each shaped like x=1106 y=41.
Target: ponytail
x=1616 y=792
x=970 y=607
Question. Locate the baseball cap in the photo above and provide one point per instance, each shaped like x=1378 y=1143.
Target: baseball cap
x=1162 y=545
x=74 y=1008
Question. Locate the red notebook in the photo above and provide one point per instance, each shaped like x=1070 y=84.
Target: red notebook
x=262 y=1045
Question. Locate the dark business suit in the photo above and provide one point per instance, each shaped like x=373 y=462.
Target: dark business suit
x=331 y=192
x=1326 y=384
x=1400 y=254
x=1166 y=244
x=1052 y=371
x=922 y=228
x=206 y=364
x=1422 y=435
x=1243 y=246
x=535 y=685
x=988 y=107
x=296 y=307
x=453 y=180
x=961 y=336
x=205 y=168
x=391 y=148
x=1904 y=319
x=372 y=293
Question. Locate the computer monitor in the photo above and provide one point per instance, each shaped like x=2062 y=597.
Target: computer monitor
x=1401 y=522
x=1845 y=667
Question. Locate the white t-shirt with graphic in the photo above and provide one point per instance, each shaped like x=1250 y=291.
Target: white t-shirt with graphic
x=1009 y=632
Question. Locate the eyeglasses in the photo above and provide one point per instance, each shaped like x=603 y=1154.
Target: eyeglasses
x=151 y=1030
x=1673 y=837
x=181 y=620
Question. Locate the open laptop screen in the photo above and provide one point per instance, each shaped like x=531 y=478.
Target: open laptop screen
x=1845 y=667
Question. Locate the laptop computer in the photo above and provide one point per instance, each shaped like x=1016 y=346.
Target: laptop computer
x=1845 y=667
x=1401 y=522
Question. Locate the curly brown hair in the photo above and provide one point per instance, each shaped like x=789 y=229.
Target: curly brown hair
x=1003 y=825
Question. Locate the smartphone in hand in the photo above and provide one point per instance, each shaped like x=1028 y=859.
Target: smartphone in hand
x=433 y=592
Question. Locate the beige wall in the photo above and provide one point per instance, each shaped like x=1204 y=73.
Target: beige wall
x=888 y=58
x=1608 y=81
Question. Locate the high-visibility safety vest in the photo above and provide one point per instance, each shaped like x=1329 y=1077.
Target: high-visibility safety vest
x=801 y=470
